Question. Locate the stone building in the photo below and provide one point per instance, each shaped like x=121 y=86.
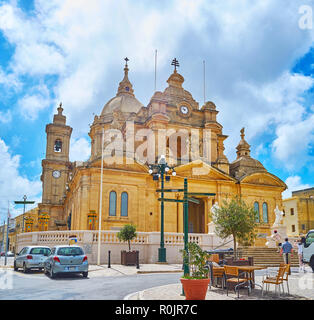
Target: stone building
x=172 y=124
x=299 y=212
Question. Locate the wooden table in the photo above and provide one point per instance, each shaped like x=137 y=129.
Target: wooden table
x=250 y=272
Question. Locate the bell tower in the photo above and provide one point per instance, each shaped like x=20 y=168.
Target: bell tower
x=55 y=169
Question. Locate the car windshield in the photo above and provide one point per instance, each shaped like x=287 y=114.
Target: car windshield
x=70 y=251
x=43 y=251
x=309 y=238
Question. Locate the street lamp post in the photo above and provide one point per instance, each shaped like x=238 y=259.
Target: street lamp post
x=24 y=202
x=161 y=171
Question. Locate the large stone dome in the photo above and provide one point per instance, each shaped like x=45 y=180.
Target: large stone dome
x=124 y=100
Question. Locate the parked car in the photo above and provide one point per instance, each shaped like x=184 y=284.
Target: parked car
x=31 y=257
x=9 y=254
x=66 y=259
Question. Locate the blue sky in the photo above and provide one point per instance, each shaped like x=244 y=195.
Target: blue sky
x=259 y=73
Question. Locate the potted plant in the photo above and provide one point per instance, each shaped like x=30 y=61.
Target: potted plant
x=128 y=233
x=195 y=283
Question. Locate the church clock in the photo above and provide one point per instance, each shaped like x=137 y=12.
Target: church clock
x=184 y=109
x=56 y=174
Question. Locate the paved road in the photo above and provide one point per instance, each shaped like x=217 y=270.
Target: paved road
x=37 y=286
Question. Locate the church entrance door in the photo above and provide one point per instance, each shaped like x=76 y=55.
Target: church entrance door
x=197 y=217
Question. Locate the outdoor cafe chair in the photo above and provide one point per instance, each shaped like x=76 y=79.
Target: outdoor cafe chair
x=216 y=273
x=285 y=277
x=277 y=281
x=236 y=278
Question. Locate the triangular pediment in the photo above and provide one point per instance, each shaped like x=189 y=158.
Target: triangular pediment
x=202 y=170
x=263 y=178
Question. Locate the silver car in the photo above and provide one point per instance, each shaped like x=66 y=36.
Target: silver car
x=31 y=257
x=66 y=259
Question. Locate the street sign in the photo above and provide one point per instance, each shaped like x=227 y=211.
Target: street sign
x=24 y=202
x=201 y=194
x=193 y=200
x=170 y=190
x=170 y=200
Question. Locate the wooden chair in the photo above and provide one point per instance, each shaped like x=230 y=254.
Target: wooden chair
x=214 y=258
x=236 y=278
x=214 y=274
x=277 y=281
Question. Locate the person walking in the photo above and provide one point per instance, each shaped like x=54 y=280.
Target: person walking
x=300 y=254
x=286 y=250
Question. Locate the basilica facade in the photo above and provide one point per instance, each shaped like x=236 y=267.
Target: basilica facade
x=126 y=137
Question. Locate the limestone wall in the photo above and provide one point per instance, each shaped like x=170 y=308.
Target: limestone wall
x=146 y=242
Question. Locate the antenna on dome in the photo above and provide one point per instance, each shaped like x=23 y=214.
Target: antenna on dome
x=204 y=81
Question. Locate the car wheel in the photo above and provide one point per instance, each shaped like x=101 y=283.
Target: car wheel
x=15 y=267
x=25 y=269
x=85 y=274
x=45 y=270
x=52 y=274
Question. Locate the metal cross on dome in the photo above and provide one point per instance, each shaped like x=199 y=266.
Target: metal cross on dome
x=175 y=63
x=126 y=61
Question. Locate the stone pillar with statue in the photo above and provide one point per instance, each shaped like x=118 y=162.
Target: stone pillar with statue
x=278 y=230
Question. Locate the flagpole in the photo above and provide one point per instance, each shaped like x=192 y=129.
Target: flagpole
x=100 y=196
x=155 y=68
x=204 y=81
x=7 y=238
x=2 y=244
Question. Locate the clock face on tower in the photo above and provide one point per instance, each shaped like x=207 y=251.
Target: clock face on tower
x=184 y=110
x=56 y=174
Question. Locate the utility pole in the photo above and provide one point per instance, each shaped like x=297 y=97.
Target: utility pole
x=2 y=243
x=24 y=203
x=7 y=239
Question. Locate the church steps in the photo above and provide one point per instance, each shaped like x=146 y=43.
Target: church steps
x=266 y=256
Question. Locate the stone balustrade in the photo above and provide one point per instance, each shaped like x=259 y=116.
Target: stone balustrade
x=146 y=242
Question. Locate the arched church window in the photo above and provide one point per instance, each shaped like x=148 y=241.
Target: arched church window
x=58 y=145
x=179 y=147
x=112 y=203
x=265 y=212
x=256 y=208
x=124 y=204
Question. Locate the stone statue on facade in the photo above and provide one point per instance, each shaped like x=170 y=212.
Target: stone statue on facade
x=213 y=211
x=214 y=208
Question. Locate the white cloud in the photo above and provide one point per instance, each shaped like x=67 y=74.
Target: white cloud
x=249 y=48
x=13 y=186
x=292 y=143
x=33 y=102
x=294 y=183
x=80 y=149
x=5 y=117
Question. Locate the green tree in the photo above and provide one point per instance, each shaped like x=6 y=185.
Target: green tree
x=235 y=218
x=127 y=233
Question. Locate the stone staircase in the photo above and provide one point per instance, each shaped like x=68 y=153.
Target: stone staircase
x=266 y=256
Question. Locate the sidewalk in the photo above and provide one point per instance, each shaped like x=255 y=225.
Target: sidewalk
x=301 y=287
x=120 y=270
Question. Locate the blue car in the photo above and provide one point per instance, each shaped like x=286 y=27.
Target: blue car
x=66 y=259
